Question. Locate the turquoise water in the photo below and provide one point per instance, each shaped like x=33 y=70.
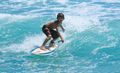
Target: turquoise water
x=92 y=36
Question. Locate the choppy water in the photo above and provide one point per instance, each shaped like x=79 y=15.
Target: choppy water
x=92 y=37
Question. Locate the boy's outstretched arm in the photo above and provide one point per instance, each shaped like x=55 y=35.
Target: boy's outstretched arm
x=60 y=35
x=62 y=28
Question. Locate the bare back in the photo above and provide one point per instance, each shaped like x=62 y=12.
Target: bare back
x=53 y=25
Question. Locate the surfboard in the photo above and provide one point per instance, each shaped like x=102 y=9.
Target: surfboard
x=38 y=50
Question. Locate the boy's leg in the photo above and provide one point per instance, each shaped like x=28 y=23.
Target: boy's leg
x=46 y=40
x=54 y=36
x=52 y=42
x=48 y=34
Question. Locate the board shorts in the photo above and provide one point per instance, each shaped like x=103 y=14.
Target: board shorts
x=53 y=33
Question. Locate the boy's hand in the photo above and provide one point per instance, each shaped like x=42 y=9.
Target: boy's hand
x=63 y=30
x=62 y=41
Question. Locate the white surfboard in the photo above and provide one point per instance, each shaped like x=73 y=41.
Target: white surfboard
x=38 y=50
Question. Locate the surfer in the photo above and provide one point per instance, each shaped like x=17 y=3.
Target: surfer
x=51 y=31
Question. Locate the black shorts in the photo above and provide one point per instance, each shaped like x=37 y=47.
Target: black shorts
x=53 y=33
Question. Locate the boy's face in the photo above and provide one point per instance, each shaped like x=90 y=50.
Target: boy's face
x=60 y=19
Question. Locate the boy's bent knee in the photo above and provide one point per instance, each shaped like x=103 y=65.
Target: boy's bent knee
x=49 y=37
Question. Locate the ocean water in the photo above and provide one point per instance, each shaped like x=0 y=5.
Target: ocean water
x=92 y=36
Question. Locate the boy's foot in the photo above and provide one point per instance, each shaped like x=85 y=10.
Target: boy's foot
x=43 y=48
x=51 y=44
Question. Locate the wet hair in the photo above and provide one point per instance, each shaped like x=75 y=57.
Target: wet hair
x=60 y=15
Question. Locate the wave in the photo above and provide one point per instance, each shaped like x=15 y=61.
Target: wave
x=12 y=18
x=25 y=46
x=108 y=1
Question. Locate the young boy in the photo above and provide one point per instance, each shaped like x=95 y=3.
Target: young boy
x=51 y=30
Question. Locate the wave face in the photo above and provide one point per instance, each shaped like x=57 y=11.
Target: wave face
x=92 y=36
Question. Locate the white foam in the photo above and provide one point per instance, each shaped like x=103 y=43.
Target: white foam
x=27 y=44
x=62 y=1
x=9 y=18
x=83 y=16
x=85 y=8
x=15 y=17
x=95 y=51
x=108 y=1
x=27 y=2
x=103 y=29
x=80 y=23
